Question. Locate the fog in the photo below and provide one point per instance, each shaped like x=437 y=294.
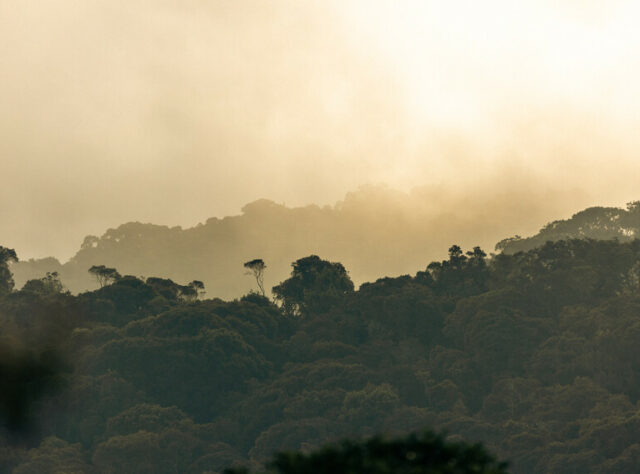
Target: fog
x=174 y=112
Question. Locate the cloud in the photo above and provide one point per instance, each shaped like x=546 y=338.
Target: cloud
x=173 y=112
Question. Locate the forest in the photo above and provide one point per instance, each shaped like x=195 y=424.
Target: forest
x=533 y=354
x=319 y=237
x=373 y=231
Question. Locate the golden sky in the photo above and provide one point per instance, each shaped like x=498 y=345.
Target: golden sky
x=175 y=111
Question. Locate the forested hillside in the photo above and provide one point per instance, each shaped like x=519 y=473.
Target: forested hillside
x=603 y=223
x=374 y=231
x=534 y=354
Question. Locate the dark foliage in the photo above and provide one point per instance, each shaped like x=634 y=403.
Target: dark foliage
x=314 y=285
x=427 y=453
x=6 y=279
x=533 y=354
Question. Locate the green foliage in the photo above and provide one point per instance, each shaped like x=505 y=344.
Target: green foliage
x=534 y=354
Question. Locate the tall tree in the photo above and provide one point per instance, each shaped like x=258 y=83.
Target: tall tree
x=256 y=268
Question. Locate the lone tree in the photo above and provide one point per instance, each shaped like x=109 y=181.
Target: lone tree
x=6 y=278
x=104 y=275
x=256 y=268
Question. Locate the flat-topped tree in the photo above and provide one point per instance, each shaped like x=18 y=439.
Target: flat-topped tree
x=256 y=268
x=104 y=275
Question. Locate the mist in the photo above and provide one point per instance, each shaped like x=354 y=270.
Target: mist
x=250 y=228
x=174 y=112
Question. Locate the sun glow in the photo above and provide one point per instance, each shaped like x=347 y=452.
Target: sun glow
x=461 y=62
x=546 y=82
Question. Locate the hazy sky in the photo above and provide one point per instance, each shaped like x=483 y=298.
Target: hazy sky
x=175 y=111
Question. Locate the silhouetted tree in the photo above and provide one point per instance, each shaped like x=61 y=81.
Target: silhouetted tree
x=89 y=242
x=166 y=287
x=504 y=243
x=456 y=257
x=48 y=284
x=192 y=291
x=104 y=275
x=256 y=268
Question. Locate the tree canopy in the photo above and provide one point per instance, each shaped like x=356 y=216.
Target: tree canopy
x=104 y=275
x=531 y=354
x=314 y=285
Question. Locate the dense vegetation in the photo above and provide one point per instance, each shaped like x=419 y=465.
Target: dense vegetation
x=602 y=223
x=534 y=354
x=425 y=454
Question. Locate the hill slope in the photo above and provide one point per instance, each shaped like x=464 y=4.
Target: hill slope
x=373 y=232
x=602 y=223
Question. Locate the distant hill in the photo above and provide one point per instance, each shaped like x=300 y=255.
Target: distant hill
x=374 y=231
x=600 y=223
